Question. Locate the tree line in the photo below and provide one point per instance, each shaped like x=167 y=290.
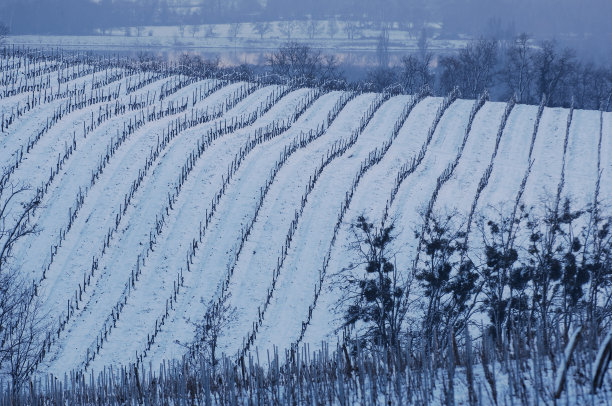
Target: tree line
x=519 y=68
x=522 y=69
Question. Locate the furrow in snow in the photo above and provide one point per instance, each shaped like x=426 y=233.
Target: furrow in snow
x=581 y=162
x=314 y=233
x=113 y=180
x=369 y=200
x=239 y=199
x=60 y=201
x=542 y=184
x=164 y=180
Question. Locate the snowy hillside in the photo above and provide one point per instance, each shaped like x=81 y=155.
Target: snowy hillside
x=161 y=196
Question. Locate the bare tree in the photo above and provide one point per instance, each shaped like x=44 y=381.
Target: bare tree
x=217 y=319
x=146 y=60
x=234 y=30
x=472 y=70
x=553 y=69
x=332 y=27
x=312 y=27
x=591 y=86
x=287 y=28
x=262 y=28
x=423 y=45
x=503 y=278
x=329 y=70
x=382 y=48
x=21 y=324
x=194 y=29
x=15 y=215
x=296 y=60
x=448 y=281
x=9 y=300
x=518 y=71
x=416 y=73
x=182 y=30
x=23 y=339
x=210 y=32
x=351 y=29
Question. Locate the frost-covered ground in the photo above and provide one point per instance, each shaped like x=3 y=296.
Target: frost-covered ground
x=165 y=287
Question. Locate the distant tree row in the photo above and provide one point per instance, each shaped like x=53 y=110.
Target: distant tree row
x=517 y=68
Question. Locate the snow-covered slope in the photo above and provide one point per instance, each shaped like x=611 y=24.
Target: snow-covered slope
x=152 y=210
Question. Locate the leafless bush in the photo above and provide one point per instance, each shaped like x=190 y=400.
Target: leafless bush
x=262 y=28
x=416 y=73
x=294 y=60
x=190 y=64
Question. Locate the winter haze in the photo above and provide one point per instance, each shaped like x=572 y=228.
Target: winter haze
x=325 y=202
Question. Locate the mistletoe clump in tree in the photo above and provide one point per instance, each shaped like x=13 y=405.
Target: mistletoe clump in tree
x=377 y=295
x=447 y=276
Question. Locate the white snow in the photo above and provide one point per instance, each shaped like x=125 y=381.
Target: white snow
x=252 y=276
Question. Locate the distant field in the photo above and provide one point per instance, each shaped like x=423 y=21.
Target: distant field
x=239 y=43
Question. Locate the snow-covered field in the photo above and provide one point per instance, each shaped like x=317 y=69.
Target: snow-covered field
x=143 y=215
x=325 y=34
x=235 y=44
